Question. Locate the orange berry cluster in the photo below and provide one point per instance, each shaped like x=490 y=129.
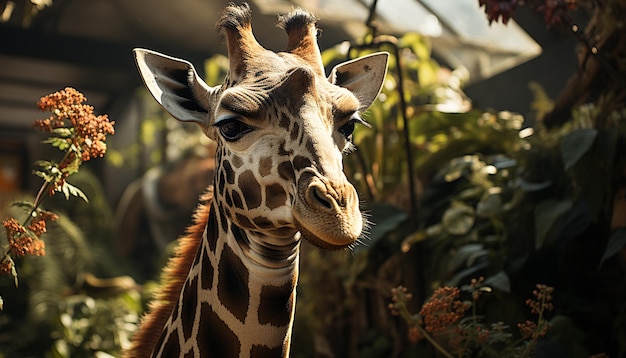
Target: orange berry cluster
x=88 y=131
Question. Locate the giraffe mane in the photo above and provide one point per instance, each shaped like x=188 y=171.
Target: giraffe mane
x=172 y=282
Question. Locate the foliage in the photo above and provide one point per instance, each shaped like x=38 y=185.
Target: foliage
x=78 y=133
x=515 y=202
x=89 y=327
x=443 y=322
x=554 y=10
x=60 y=309
x=381 y=159
x=160 y=139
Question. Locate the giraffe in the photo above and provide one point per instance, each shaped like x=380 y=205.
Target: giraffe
x=281 y=127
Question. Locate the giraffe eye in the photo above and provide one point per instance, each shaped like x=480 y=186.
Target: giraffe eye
x=233 y=129
x=347 y=129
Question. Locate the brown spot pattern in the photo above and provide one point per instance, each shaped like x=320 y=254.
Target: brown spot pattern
x=275 y=306
x=265 y=166
x=215 y=338
x=207 y=271
x=310 y=147
x=282 y=151
x=300 y=162
x=228 y=196
x=212 y=229
x=243 y=221
x=221 y=182
x=171 y=347
x=250 y=188
x=159 y=343
x=266 y=352
x=237 y=161
x=196 y=261
x=223 y=222
x=189 y=305
x=285 y=171
x=275 y=196
x=236 y=201
x=230 y=173
x=237 y=233
x=262 y=222
x=175 y=310
x=232 y=285
x=284 y=120
x=295 y=131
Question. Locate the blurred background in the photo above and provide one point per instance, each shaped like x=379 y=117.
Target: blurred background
x=496 y=151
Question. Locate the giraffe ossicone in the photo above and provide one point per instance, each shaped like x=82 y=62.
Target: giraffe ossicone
x=281 y=127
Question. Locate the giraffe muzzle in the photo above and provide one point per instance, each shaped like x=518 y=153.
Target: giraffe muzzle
x=327 y=212
x=318 y=195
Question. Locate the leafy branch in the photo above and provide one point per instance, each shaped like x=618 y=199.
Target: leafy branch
x=80 y=135
x=443 y=323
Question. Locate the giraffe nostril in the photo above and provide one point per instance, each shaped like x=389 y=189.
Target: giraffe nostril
x=321 y=198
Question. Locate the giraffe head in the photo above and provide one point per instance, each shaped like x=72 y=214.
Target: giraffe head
x=281 y=126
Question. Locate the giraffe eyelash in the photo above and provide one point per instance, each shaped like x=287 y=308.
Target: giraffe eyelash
x=357 y=119
x=349 y=148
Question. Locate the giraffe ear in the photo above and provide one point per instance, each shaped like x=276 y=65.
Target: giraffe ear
x=175 y=84
x=363 y=76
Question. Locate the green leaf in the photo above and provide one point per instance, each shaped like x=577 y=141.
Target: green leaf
x=45 y=164
x=529 y=186
x=471 y=193
x=466 y=256
x=576 y=144
x=546 y=214
x=417 y=44
x=458 y=219
x=115 y=158
x=541 y=103
x=458 y=166
x=564 y=332
x=593 y=171
x=427 y=73
x=13 y=270
x=23 y=204
x=616 y=243
x=412 y=239
x=386 y=218
x=63 y=132
x=46 y=177
x=149 y=130
x=215 y=69
x=68 y=189
x=468 y=272
x=57 y=142
x=500 y=281
x=72 y=167
x=332 y=54
x=491 y=203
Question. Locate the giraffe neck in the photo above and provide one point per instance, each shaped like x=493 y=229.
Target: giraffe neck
x=238 y=299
